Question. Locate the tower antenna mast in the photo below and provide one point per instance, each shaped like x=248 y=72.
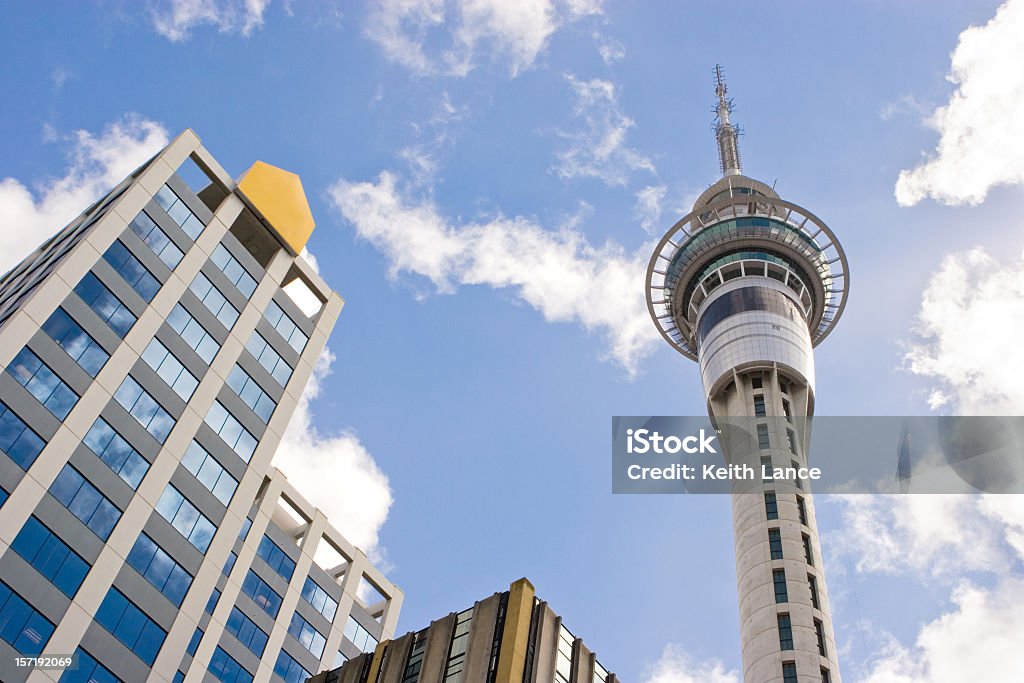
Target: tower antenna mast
x=726 y=133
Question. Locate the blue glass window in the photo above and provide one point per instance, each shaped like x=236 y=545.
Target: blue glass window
x=193 y=333
x=40 y=381
x=231 y=431
x=214 y=300
x=105 y=304
x=234 y=271
x=144 y=408
x=261 y=593
x=186 y=518
x=289 y=670
x=286 y=327
x=171 y=370
x=21 y=444
x=76 y=342
x=244 y=531
x=126 y=622
x=21 y=626
x=226 y=670
x=246 y=631
x=89 y=671
x=251 y=393
x=131 y=269
x=179 y=212
x=116 y=453
x=50 y=556
x=359 y=636
x=229 y=563
x=307 y=635
x=318 y=599
x=3 y=496
x=85 y=501
x=269 y=358
x=193 y=644
x=209 y=472
x=160 y=569
x=276 y=558
x=151 y=233
x=211 y=602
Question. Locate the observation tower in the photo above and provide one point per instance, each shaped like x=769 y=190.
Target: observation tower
x=747 y=285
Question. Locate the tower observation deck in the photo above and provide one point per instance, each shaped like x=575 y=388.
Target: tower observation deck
x=747 y=284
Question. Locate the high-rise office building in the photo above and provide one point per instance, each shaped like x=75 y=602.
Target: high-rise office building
x=747 y=284
x=152 y=360
x=509 y=637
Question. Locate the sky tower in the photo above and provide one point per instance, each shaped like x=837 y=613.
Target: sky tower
x=746 y=285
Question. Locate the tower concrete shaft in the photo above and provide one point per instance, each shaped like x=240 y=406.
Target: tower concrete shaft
x=747 y=284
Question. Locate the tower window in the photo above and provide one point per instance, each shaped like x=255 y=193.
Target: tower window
x=789 y=672
x=766 y=468
x=785 y=633
x=796 y=480
x=759 y=409
x=775 y=543
x=762 y=438
x=779 y=579
x=808 y=555
x=801 y=506
x=787 y=411
x=819 y=633
x=812 y=583
x=756 y=382
x=792 y=441
x=826 y=677
x=771 y=505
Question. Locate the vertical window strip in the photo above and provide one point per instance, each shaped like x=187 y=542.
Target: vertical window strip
x=116 y=453
x=234 y=271
x=105 y=304
x=76 y=342
x=43 y=383
x=171 y=370
x=157 y=240
x=17 y=439
x=179 y=212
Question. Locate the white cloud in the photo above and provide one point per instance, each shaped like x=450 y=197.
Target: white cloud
x=598 y=149
x=933 y=536
x=904 y=105
x=559 y=273
x=96 y=163
x=648 y=207
x=335 y=472
x=968 y=329
x=677 y=666
x=611 y=50
x=408 y=31
x=981 y=129
x=175 y=19
x=979 y=639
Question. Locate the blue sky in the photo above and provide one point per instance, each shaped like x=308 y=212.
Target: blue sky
x=488 y=180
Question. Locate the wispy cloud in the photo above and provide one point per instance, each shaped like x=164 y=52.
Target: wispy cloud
x=611 y=50
x=446 y=37
x=648 y=207
x=175 y=19
x=968 y=334
x=96 y=163
x=598 y=148
x=435 y=137
x=904 y=105
x=558 y=272
x=676 y=665
x=981 y=129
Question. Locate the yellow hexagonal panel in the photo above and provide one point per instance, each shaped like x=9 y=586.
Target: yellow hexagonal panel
x=278 y=197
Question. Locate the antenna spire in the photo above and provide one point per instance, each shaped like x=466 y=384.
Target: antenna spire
x=726 y=133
